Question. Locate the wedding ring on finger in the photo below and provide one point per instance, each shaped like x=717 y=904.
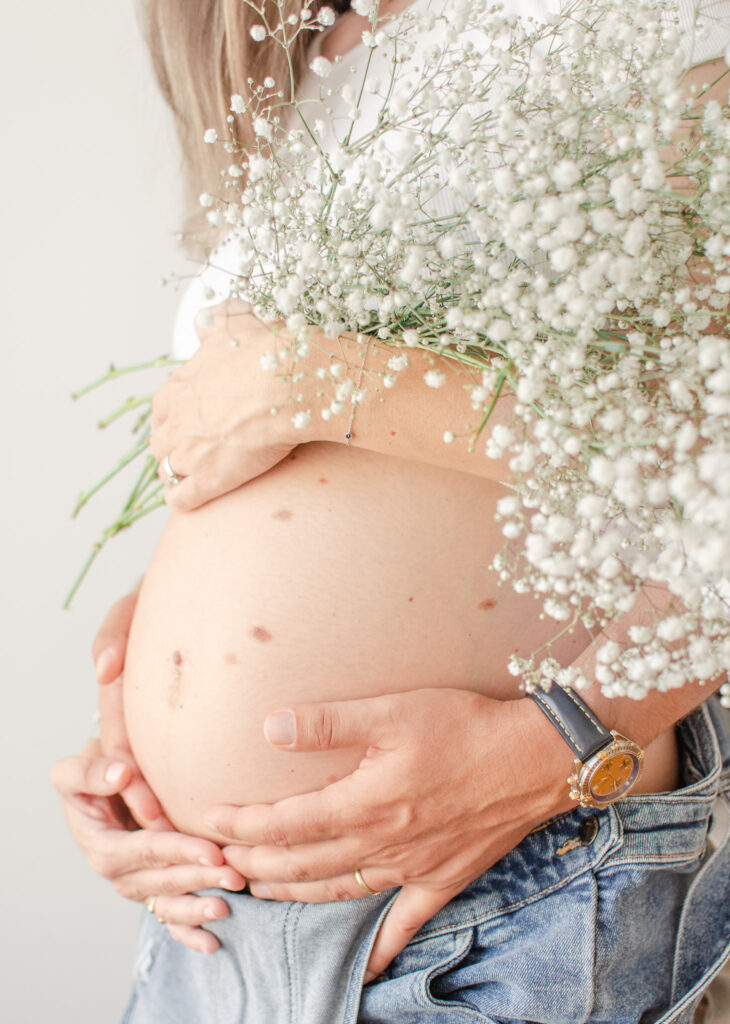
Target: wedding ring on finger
x=363 y=884
x=151 y=904
x=172 y=477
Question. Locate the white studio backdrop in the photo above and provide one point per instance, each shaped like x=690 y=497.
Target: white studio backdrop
x=90 y=204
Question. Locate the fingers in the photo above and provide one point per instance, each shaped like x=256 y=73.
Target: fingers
x=310 y=863
x=194 y=938
x=330 y=726
x=114 y=853
x=96 y=776
x=144 y=806
x=176 y=880
x=307 y=818
x=192 y=911
x=110 y=643
x=189 y=494
x=412 y=908
x=344 y=887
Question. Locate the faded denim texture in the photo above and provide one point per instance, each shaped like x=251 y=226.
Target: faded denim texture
x=618 y=916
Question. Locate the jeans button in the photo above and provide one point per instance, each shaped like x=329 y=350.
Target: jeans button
x=588 y=830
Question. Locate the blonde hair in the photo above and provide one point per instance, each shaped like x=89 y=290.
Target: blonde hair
x=203 y=53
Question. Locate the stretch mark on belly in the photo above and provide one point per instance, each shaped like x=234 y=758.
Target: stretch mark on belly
x=259 y=633
x=282 y=514
x=487 y=604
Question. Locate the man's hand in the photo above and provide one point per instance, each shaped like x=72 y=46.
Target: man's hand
x=449 y=783
x=142 y=863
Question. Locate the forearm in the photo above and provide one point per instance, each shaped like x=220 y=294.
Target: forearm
x=641 y=720
x=410 y=419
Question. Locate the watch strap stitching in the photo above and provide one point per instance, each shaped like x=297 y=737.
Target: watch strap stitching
x=582 y=706
x=560 y=725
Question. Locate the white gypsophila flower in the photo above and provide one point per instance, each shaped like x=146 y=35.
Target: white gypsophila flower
x=269 y=361
x=210 y=136
x=238 y=104
x=262 y=128
x=435 y=378
x=258 y=33
x=301 y=419
x=206 y=199
x=321 y=66
x=326 y=16
x=365 y=8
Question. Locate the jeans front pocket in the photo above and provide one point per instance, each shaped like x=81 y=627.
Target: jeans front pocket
x=534 y=962
x=414 y=988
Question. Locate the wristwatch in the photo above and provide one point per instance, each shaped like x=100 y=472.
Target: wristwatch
x=607 y=764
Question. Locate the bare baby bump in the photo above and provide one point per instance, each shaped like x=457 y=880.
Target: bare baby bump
x=338 y=574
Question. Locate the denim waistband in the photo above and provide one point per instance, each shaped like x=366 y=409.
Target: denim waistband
x=667 y=827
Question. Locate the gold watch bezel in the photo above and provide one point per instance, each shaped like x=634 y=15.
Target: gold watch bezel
x=584 y=772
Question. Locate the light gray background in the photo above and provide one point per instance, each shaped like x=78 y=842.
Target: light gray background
x=89 y=194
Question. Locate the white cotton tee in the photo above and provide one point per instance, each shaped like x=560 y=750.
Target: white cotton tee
x=705 y=35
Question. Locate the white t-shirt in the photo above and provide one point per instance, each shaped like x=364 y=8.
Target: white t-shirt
x=705 y=28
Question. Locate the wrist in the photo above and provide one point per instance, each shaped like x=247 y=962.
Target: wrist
x=551 y=756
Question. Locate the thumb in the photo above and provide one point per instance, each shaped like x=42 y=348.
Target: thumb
x=110 y=643
x=330 y=726
x=412 y=908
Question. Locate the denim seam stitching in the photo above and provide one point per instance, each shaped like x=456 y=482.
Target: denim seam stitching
x=683 y=858
x=443 y=968
x=483 y=918
x=698 y=987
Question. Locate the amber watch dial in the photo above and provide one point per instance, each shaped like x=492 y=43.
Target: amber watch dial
x=613 y=777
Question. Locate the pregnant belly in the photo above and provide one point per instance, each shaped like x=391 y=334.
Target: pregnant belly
x=339 y=574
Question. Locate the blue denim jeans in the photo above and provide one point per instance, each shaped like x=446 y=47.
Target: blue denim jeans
x=617 y=916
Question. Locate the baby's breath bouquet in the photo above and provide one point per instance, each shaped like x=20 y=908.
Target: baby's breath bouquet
x=540 y=202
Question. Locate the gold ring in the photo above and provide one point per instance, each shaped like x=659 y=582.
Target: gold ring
x=363 y=884
x=151 y=903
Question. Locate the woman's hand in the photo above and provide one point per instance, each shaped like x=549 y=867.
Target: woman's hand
x=142 y=863
x=449 y=783
x=213 y=418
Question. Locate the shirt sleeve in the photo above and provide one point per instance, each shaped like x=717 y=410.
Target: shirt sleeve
x=705 y=27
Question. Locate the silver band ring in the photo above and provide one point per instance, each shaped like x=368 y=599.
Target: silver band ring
x=363 y=884
x=172 y=477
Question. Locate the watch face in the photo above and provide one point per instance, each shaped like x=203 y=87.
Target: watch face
x=613 y=776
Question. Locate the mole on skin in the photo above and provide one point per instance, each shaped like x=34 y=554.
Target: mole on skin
x=487 y=604
x=259 y=633
x=283 y=514
x=231 y=658
x=322 y=480
x=174 y=695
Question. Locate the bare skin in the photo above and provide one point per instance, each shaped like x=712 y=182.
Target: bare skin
x=390 y=430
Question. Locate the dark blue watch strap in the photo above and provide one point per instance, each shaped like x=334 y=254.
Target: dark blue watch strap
x=574 y=720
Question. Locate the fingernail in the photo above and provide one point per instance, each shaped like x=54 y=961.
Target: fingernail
x=104 y=661
x=114 y=773
x=261 y=891
x=205 y=862
x=369 y=975
x=224 y=883
x=212 y=913
x=280 y=729
x=211 y=825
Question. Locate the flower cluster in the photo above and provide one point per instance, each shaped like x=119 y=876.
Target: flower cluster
x=542 y=203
